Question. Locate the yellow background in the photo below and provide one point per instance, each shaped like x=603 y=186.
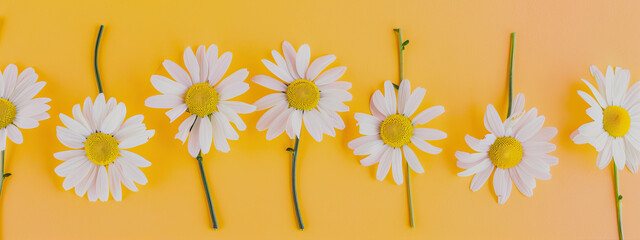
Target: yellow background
x=458 y=52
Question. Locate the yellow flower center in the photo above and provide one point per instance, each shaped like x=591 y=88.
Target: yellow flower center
x=616 y=121
x=7 y=112
x=396 y=130
x=505 y=152
x=201 y=99
x=303 y=94
x=101 y=149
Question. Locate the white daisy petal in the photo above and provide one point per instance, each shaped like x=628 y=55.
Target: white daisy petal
x=480 y=178
x=414 y=101
x=385 y=164
x=596 y=95
x=302 y=59
x=219 y=68
x=380 y=104
x=270 y=83
x=201 y=56
x=270 y=101
x=163 y=101
x=605 y=155
x=492 y=121
x=14 y=134
x=404 y=92
x=205 y=134
x=219 y=139
x=167 y=86
x=318 y=65
x=194 y=143
x=176 y=111
x=290 y=57
x=372 y=159
x=311 y=123
x=69 y=154
x=10 y=77
x=135 y=159
x=233 y=79
x=618 y=152
x=390 y=97
x=283 y=72
x=428 y=115
x=185 y=126
x=177 y=73
x=425 y=146
x=480 y=166
x=114 y=184
x=412 y=159
x=429 y=134
x=330 y=76
x=353 y=144
x=396 y=162
x=102 y=184
x=191 y=62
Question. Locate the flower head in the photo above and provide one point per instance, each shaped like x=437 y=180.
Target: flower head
x=306 y=95
x=614 y=131
x=516 y=148
x=205 y=96
x=18 y=108
x=100 y=161
x=390 y=129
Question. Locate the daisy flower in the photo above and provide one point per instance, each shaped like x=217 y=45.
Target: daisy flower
x=390 y=129
x=100 y=161
x=517 y=149
x=205 y=96
x=614 y=110
x=18 y=108
x=614 y=130
x=306 y=95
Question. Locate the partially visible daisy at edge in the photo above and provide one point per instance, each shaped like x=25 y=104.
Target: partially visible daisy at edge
x=205 y=96
x=517 y=149
x=306 y=95
x=101 y=139
x=390 y=129
x=615 y=129
x=18 y=108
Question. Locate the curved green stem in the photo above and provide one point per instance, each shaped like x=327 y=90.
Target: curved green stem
x=401 y=45
x=512 y=52
x=293 y=184
x=618 y=201
x=95 y=59
x=212 y=213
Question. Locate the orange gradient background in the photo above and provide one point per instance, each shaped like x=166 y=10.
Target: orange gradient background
x=458 y=52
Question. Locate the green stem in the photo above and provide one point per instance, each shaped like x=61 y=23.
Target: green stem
x=401 y=45
x=293 y=184
x=95 y=59
x=2 y=177
x=618 y=201
x=212 y=213
x=512 y=52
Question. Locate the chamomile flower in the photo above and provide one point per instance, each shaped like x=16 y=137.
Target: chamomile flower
x=614 y=131
x=390 y=129
x=306 y=95
x=18 y=108
x=101 y=161
x=517 y=149
x=205 y=96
